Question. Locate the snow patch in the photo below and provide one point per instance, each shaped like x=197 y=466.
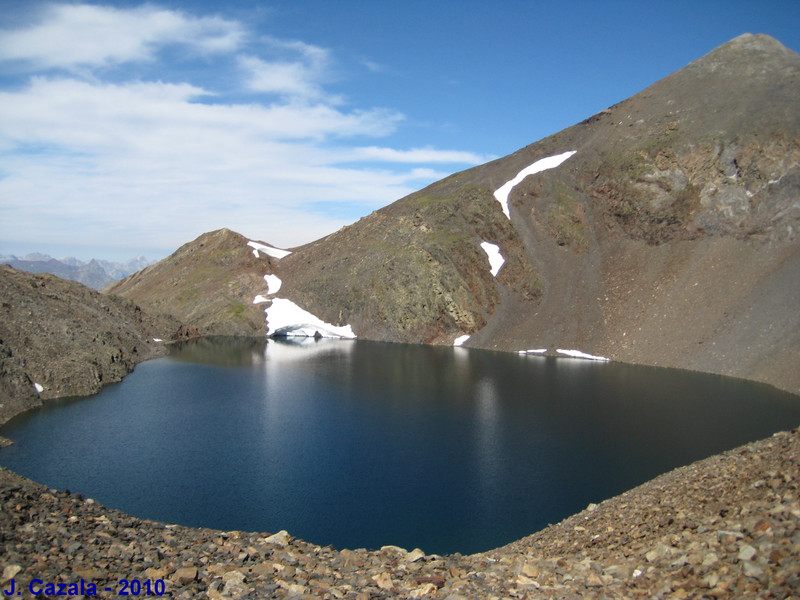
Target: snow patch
x=273 y=284
x=534 y=351
x=285 y=318
x=39 y=388
x=496 y=259
x=579 y=354
x=460 y=340
x=268 y=250
x=260 y=299
x=540 y=165
x=157 y=340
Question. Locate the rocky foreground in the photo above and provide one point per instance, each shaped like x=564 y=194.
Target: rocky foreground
x=725 y=527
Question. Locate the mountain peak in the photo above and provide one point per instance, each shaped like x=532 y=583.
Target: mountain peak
x=669 y=238
x=748 y=55
x=756 y=42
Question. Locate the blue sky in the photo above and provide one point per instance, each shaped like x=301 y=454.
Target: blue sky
x=130 y=128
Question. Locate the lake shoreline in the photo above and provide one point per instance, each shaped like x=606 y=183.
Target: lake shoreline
x=726 y=526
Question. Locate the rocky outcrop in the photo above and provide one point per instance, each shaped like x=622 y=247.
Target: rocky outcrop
x=209 y=284
x=59 y=338
x=413 y=271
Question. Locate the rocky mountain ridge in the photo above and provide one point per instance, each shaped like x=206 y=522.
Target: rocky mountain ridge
x=209 y=283
x=667 y=236
x=59 y=338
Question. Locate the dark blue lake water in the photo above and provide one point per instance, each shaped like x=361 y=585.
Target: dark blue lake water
x=362 y=444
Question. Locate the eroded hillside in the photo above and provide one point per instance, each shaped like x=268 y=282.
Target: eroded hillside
x=208 y=283
x=665 y=233
x=59 y=338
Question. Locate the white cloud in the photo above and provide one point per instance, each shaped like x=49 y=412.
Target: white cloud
x=157 y=162
x=82 y=35
x=295 y=70
x=415 y=155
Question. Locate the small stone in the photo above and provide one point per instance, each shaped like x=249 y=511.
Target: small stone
x=234 y=585
x=426 y=590
x=525 y=580
x=279 y=539
x=415 y=555
x=711 y=580
x=10 y=572
x=383 y=581
x=530 y=570
x=593 y=580
x=184 y=575
x=90 y=574
x=236 y=576
x=297 y=589
x=155 y=573
x=752 y=569
x=264 y=569
x=746 y=552
x=762 y=526
x=436 y=580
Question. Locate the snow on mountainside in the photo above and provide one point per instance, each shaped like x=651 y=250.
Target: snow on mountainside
x=662 y=230
x=550 y=162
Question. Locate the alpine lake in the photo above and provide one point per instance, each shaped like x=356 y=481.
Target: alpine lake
x=361 y=444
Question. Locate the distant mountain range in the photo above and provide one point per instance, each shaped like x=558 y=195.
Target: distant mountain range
x=94 y=273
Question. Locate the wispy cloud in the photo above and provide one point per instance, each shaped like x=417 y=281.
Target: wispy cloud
x=160 y=159
x=294 y=70
x=69 y=36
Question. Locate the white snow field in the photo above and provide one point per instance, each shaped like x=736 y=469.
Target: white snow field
x=460 y=340
x=496 y=259
x=273 y=284
x=285 y=318
x=579 y=354
x=566 y=353
x=268 y=250
x=540 y=165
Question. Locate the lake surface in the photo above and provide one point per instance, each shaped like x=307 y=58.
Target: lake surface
x=363 y=444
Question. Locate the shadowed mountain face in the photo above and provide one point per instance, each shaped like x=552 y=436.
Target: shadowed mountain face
x=669 y=237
